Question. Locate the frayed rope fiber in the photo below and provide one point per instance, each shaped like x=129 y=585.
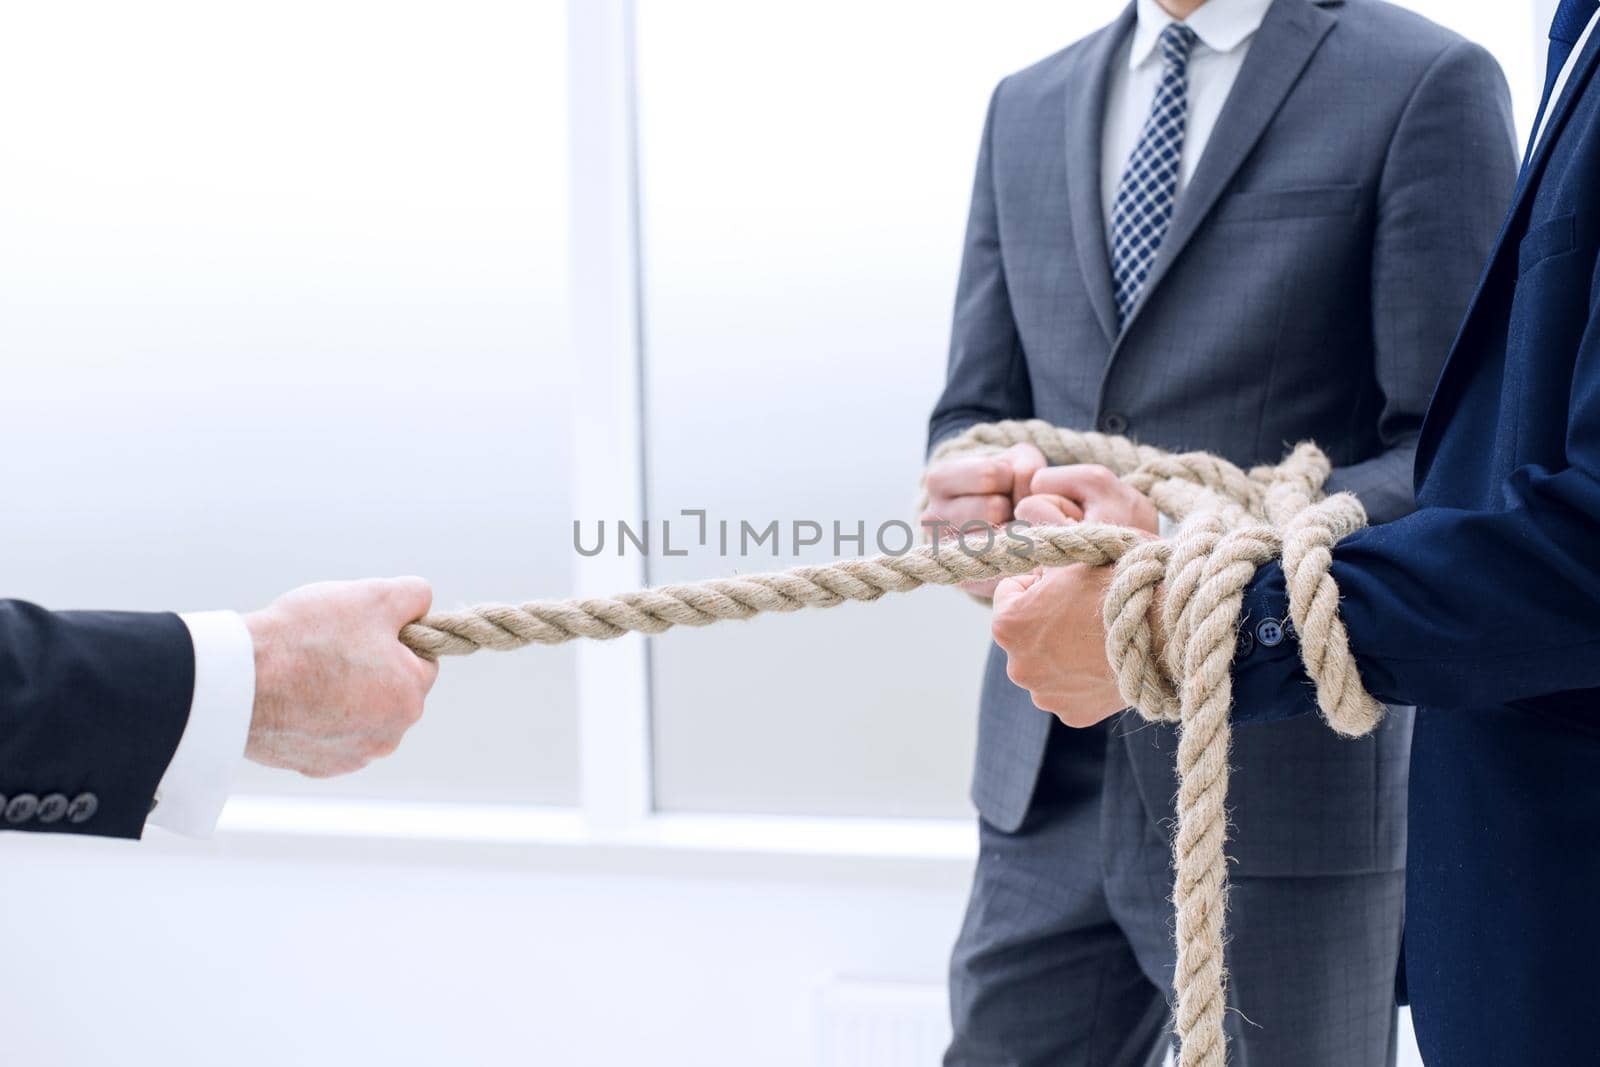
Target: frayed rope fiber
x=1231 y=522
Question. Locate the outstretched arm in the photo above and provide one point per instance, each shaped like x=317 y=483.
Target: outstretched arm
x=106 y=715
x=92 y=706
x=1446 y=607
x=1454 y=608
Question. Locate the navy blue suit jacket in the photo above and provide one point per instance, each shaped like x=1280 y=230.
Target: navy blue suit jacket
x=92 y=706
x=1483 y=608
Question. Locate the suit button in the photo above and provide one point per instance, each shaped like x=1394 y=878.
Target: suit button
x=21 y=808
x=1247 y=644
x=1270 y=633
x=82 y=808
x=1114 y=422
x=52 y=808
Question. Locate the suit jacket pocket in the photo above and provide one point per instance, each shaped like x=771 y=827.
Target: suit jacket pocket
x=1265 y=205
x=1552 y=237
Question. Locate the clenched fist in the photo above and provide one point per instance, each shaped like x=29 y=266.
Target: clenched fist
x=981 y=489
x=335 y=688
x=1050 y=627
x=1089 y=492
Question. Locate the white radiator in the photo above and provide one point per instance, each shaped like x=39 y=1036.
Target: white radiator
x=881 y=1024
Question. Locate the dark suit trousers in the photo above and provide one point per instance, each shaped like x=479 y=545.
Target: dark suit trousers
x=1066 y=955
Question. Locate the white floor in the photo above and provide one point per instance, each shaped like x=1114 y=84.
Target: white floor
x=263 y=952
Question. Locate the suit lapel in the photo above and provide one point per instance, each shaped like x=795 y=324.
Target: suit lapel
x=1289 y=36
x=1086 y=89
x=1511 y=234
x=1560 y=110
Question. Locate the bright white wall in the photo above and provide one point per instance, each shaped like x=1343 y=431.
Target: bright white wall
x=282 y=298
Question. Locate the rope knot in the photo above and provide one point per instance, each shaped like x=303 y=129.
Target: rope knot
x=1232 y=523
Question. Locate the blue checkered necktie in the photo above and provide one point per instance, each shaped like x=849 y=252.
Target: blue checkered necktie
x=1565 y=29
x=1149 y=185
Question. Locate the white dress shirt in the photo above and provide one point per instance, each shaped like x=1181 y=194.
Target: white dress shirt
x=1562 y=79
x=1224 y=29
x=197 y=781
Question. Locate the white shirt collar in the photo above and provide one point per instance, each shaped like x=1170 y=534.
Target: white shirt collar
x=1221 y=25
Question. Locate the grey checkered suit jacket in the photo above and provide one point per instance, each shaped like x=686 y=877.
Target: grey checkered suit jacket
x=1314 y=274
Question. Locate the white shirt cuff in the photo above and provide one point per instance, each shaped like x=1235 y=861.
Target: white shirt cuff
x=1164 y=524
x=198 y=779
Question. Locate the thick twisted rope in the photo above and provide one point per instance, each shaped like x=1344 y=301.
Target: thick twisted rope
x=552 y=622
x=1231 y=522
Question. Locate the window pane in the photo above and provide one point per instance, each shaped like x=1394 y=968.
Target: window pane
x=806 y=173
x=282 y=298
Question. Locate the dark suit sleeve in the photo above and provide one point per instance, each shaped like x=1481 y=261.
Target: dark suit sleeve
x=92 y=705
x=1454 y=608
x=987 y=378
x=1446 y=182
